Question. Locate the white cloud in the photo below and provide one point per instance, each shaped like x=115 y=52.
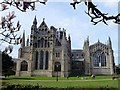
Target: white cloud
x=108 y=3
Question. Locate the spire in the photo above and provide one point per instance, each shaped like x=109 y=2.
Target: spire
x=63 y=39
x=34 y=26
x=64 y=31
x=98 y=40
x=35 y=21
x=23 y=40
x=27 y=43
x=43 y=19
x=109 y=42
x=86 y=42
x=69 y=38
x=88 y=39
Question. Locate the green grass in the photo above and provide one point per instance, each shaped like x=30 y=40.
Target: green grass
x=63 y=82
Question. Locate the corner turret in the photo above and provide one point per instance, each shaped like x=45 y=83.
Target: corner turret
x=34 y=26
x=86 y=43
x=87 y=56
x=35 y=21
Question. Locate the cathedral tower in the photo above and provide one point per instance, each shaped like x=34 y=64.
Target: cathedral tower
x=87 y=56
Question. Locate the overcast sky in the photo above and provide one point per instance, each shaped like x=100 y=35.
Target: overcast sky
x=76 y=22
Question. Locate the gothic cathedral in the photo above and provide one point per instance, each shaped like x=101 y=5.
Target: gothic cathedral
x=48 y=53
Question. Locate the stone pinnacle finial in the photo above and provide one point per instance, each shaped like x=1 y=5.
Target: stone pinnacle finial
x=35 y=21
x=23 y=39
x=43 y=19
x=98 y=40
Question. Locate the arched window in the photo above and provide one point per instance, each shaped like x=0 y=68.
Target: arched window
x=46 y=60
x=41 y=59
x=24 y=66
x=96 y=60
x=57 y=66
x=45 y=43
x=42 y=43
x=99 y=58
x=48 y=44
x=103 y=60
x=36 y=60
x=45 y=31
x=35 y=45
x=38 y=43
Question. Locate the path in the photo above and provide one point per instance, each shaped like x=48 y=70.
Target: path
x=67 y=80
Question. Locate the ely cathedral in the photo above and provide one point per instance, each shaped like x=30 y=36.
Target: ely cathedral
x=48 y=53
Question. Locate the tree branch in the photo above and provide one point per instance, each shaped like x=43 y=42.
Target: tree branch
x=8 y=30
x=96 y=14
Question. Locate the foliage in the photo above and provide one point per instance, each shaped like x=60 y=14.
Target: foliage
x=7 y=65
x=65 y=84
x=37 y=87
x=117 y=70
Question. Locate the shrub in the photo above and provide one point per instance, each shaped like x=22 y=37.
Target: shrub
x=37 y=87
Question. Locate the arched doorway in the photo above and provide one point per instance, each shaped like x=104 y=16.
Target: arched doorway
x=24 y=66
x=57 y=66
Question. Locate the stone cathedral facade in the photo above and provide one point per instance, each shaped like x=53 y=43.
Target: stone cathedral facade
x=48 y=53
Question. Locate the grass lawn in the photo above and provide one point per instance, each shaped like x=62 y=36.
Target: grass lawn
x=63 y=82
x=107 y=83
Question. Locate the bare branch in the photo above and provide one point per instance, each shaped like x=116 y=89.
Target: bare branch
x=21 y=5
x=8 y=30
x=96 y=14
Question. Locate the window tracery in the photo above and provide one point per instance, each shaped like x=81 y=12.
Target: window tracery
x=99 y=59
x=41 y=59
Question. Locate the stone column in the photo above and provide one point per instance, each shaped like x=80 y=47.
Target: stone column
x=18 y=66
x=50 y=68
x=44 y=61
x=87 y=64
x=111 y=58
x=38 y=65
x=29 y=68
x=62 y=64
x=19 y=52
x=33 y=60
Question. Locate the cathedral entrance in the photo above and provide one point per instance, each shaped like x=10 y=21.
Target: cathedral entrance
x=57 y=69
x=24 y=66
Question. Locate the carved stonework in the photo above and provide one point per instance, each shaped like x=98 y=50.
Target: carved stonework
x=47 y=47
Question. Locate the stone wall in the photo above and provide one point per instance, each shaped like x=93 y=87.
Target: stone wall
x=101 y=71
x=25 y=73
x=42 y=73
